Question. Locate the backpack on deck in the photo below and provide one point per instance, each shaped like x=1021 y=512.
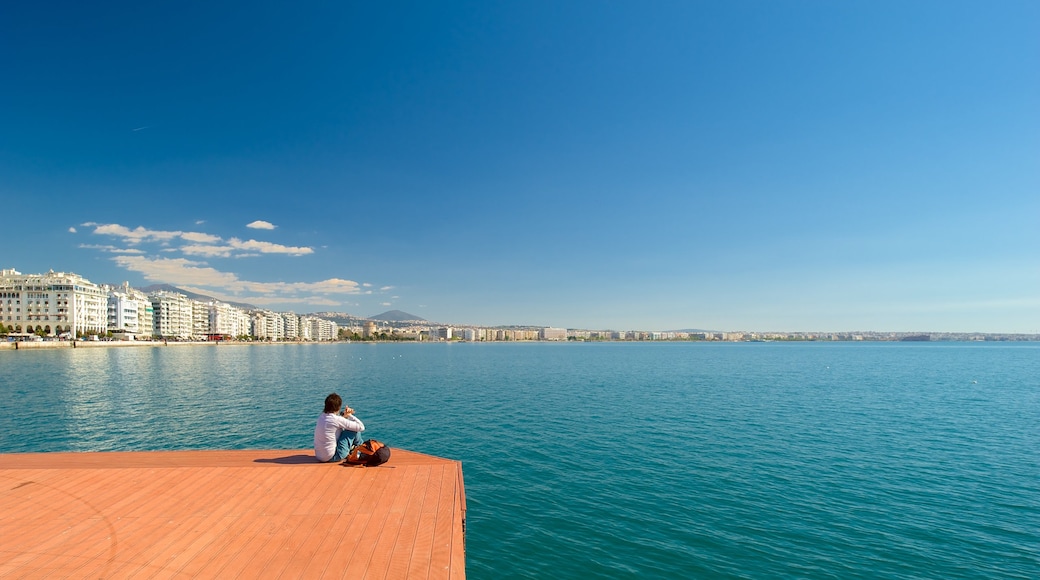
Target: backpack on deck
x=370 y=453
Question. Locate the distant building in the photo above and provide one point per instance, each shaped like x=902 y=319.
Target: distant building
x=318 y=329
x=54 y=303
x=292 y=325
x=441 y=333
x=145 y=312
x=200 y=327
x=172 y=314
x=228 y=320
x=553 y=334
x=122 y=313
x=268 y=325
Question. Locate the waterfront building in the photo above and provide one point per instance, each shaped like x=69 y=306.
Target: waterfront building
x=322 y=329
x=200 y=327
x=291 y=323
x=317 y=329
x=305 y=328
x=145 y=314
x=441 y=333
x=122 y=313
x=227 y=320
x=551 y=333
x=268 y=325
x=55 y=303
x=173 y=315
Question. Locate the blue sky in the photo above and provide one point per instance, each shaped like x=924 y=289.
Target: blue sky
x=737 y=165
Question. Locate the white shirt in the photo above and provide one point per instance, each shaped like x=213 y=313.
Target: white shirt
x=327 y=431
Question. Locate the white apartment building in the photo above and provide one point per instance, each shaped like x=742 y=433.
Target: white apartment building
x=268 y=325
x=145 y=318
x=122 y=313
x=228 y=320
x=292 y=325
x=53 y=303
x=172 y=313
x=317 y=329
x=199 y=319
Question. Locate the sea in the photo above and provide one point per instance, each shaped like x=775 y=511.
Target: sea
x=618 y=460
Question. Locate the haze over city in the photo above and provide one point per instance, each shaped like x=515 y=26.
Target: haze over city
x=794 y=166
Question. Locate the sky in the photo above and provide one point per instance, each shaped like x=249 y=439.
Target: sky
x=762 y=166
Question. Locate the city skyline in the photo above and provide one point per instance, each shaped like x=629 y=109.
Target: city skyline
x=762 y=166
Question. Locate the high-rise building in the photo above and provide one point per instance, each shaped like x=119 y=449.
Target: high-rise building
x=227 y=320
x=172 y=313
x=55 y=303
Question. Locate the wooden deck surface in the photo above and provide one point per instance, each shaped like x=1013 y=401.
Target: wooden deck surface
x=229 y=514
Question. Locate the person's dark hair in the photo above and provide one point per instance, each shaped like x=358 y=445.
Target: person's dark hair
x=332 y=403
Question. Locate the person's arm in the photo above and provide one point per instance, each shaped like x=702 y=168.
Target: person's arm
x=352 y=422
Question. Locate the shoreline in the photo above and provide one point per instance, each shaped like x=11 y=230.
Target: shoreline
x=74 y=344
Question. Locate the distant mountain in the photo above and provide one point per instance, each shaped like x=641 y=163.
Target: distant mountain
x=193 y=295
x=341 y=318
x=397 y=316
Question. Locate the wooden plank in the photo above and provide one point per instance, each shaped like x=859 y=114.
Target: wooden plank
x=443 y=537
x=385 y=538
x=244 y=513
x=404 y=548
x=170 y=521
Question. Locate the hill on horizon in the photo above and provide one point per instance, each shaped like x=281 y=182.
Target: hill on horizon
x=397 y=316
x=193 y=295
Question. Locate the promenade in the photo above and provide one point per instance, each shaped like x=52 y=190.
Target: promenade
x=229 y=514
x=59 y=344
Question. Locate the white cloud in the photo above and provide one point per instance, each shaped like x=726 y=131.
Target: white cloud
x=264 y=300
x=201 y=243
x=134 y=236
x=180 y=258
x=385 y=304
x=72 y=230
x=330 y=286
x=177 y=270
x=200 y=237
x=269 y=248
x=111 y=249
x=385 y=288
x=261 y=225
x=183 y=273
x=207 y=251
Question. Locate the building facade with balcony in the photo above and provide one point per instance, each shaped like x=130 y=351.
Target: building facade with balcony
x=52 y=304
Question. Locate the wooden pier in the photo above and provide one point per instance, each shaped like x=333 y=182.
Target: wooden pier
x=229 y=514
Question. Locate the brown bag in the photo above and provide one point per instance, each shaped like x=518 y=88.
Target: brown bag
x=370 y=453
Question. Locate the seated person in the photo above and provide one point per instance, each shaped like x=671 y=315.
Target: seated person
x=336 y=433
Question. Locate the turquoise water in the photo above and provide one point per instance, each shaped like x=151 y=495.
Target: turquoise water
x=879 y=460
